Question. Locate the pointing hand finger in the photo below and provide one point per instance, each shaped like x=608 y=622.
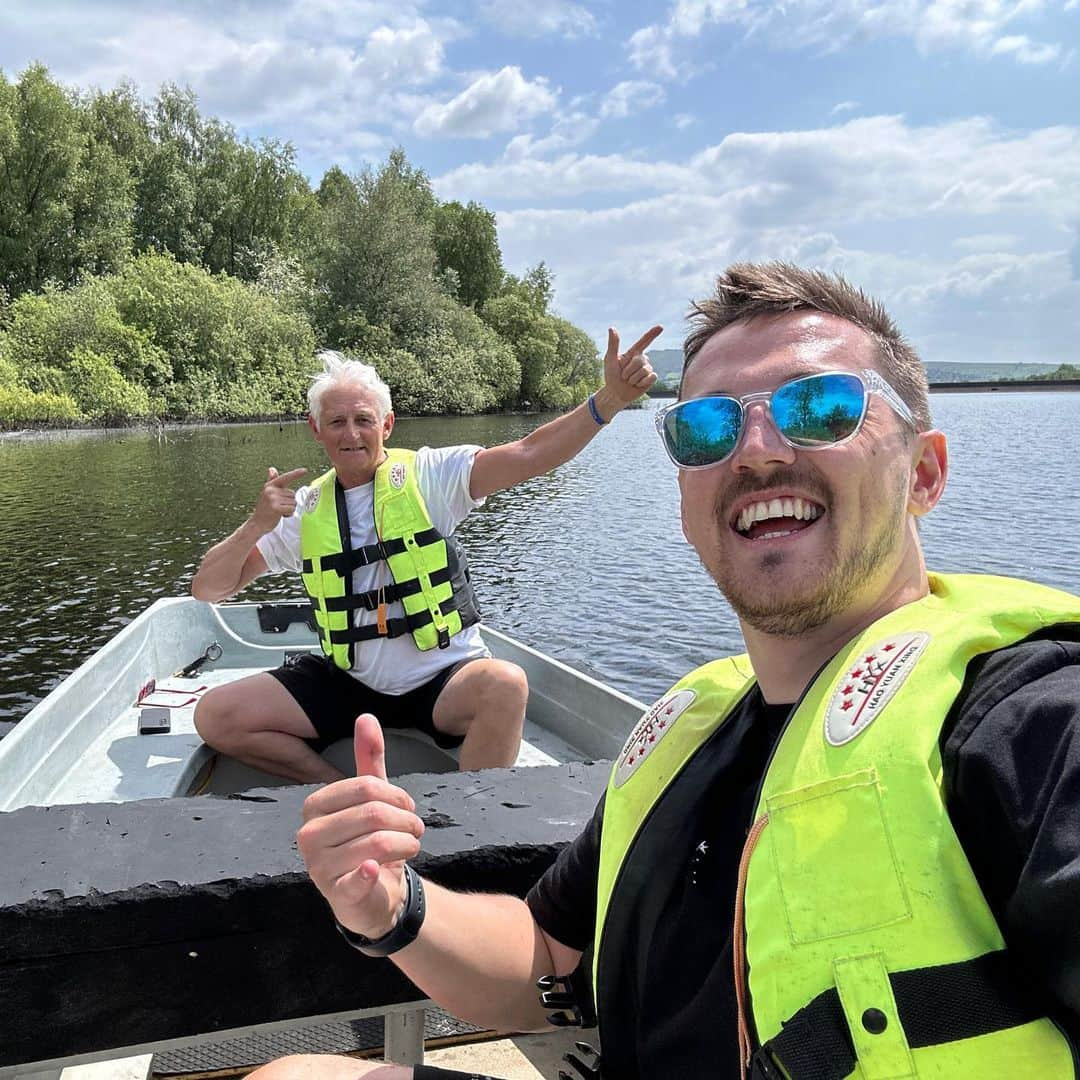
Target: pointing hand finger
x=271 y=473
x=645 y=340
x=283 y=479
x=612 y=345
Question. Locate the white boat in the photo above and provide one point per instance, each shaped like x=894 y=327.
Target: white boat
x=82 y=743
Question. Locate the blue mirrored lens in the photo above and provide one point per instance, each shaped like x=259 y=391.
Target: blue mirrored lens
x=702 y=431
x=820 y=409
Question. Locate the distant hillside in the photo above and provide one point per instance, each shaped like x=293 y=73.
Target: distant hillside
x=943 y=371
x=666 y=361
x=668 y=364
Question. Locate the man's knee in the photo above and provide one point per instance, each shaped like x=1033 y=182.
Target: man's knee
x=508 y=684
x=212 y=713
x=222 y=718
x=328 y=1067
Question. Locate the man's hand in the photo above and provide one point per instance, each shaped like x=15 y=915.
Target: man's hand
x=277 y=500
x=628 y=375
x=357 y=835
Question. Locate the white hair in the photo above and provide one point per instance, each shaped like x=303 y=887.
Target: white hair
x=338 y=371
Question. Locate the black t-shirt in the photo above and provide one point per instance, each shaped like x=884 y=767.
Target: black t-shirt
x=1011 y=762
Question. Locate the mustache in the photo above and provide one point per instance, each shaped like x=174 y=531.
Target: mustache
x=758 y=485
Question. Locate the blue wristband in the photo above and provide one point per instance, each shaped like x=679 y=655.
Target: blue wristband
x=595 y=412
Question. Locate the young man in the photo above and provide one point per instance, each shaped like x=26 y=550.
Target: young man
x=373 y=540
x=855 y=849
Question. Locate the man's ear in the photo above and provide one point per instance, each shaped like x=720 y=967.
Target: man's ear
x=311 y=424
x=929 y=470
x=388 y=424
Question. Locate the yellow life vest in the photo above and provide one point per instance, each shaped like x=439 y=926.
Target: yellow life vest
x=869 y=946
x=429 y=571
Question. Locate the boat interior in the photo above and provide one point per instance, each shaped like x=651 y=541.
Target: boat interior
x=121 y=727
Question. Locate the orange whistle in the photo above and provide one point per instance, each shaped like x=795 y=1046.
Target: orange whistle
x=381 y=620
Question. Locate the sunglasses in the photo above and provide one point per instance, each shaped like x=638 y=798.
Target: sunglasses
x=812 y=412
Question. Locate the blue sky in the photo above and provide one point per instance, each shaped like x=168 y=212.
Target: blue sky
x=928 y=150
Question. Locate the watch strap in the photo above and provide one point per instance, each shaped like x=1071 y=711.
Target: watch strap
x=404 y=932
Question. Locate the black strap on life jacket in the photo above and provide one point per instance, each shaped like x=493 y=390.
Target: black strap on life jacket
x=394 y=627
x=348 y=560
x=935 y=1005
x=370 y=600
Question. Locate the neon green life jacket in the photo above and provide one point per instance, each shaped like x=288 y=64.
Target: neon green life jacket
x=870 y=948
x=429 y=571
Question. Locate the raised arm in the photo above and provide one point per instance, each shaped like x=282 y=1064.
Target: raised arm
x=478 y=956
x=626 y=377
x=235 y=562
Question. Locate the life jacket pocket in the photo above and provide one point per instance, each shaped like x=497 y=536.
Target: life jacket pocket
x=834 y=859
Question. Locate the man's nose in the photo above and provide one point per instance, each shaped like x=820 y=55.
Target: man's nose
x=760 y=445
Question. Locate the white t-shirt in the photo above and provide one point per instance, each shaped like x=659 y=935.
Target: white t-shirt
x=394 y=665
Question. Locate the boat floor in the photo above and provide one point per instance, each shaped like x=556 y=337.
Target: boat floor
x=121 y=765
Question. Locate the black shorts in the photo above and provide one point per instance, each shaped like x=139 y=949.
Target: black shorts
x=333 y=699
x=432 y=1072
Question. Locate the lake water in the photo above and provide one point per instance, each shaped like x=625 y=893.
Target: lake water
x=587 y=564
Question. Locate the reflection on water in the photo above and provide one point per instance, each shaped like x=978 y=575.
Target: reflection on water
x=588 y=564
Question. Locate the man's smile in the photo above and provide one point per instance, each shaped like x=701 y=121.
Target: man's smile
x=779 y=515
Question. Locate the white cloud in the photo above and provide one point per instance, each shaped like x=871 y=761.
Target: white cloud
x=412 y=55
x=843 y=107
x=1025 y=50
x=651 y=49
x=498 y=101
x=966 y=229
x=869 y=168
x=631 y=97
x=538 y=18
x=684 y=120
x=984 y=242
x=569 y=130
x=976 y=26
x=339 y=79
x=523 y=177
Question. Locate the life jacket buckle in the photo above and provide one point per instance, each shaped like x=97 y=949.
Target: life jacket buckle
x=764 y=1066
x=587 y=1070
x=444 y=638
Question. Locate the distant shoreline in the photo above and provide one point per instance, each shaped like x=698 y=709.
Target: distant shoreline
x=1013 y=385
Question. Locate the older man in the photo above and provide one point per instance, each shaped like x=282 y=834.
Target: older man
x=373 y=541
x=854 y=850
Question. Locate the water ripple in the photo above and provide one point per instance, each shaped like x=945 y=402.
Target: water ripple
x=588 y=564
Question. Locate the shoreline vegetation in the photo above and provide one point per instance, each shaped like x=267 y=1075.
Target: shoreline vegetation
x=155 y=268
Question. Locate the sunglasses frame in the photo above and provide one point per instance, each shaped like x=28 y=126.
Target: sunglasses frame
x=872 y=383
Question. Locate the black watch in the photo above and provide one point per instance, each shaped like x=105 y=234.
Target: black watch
x=406 y=928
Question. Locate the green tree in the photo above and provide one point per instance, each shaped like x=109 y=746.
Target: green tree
x=536 y=287
x=47 y=329
x=467 y=242
x=234 y=351
x=1064 y=371
x=208 y=197
x=533 y=337
x=374 y=252
x=65 y=200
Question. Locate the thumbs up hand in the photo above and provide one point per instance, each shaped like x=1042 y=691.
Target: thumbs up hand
x=357 y=835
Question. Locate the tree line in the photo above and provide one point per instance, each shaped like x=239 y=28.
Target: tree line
x=155 y=264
